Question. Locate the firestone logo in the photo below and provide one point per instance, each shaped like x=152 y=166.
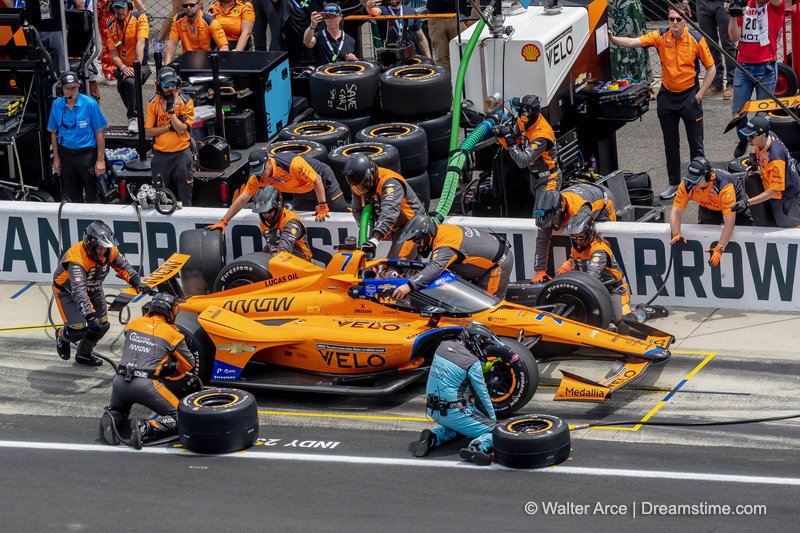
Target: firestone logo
x=531 y=53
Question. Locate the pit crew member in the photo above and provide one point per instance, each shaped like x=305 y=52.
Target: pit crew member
x=236 y=18
x=153 y=372
x=716 y=192
x=195 y=30
x=457 y=397
x=479 y=256
x=78 y=291
x=531 y=143
x=394 y=201
x=312 y=183
x=778 y=174
x=280 y=224
x=553 y=208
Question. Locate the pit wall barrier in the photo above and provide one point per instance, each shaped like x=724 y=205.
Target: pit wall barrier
x=758 y=269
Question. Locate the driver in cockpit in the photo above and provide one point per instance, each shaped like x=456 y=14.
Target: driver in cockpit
x=480 y=257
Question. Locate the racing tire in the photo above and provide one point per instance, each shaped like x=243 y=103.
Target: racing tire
x=207 y=251
x=384 y=155
x=438 y=131
x=523 y=293
x=354 y=81
x=738 y=165
x=329 y=133
x=437 y=172
x=587 y=299
x=40 y=196
x=511 y=386
x=418 y=60
x=310 y=149
x=410 y=140
x=353 y=124
x=786 y=82
x=761 y=213
x=422 y=186
x=247 y=269
x=416 y=90
x=6 y=194
x=531 y=441
x=787 y=130
x=218 y=421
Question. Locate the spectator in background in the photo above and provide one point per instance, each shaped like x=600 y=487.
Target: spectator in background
x=159 y=43
x=626 y=19
x=127 y=42
x=268 y=16
x=236 y=18
x=414 y=33
x=714 y=20
x=76 y=127
x=328 y=41
x=757 y=32
x=442 y=31
x=195 y=30
x=94 y=71
x=295 y=19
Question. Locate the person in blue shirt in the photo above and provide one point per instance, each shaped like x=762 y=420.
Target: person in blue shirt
x=457 y=397
x=76 y=127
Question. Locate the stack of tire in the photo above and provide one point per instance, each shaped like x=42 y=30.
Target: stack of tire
x=346 y=91
x=420 y=94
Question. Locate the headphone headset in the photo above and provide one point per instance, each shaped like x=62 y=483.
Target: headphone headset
x=159 y=89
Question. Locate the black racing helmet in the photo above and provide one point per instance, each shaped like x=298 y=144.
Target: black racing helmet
x=361 y=173
x=483 y=343
x=581 y=231
x=422 y=230
x=164 y=304
x=528 y=106
x=268 y=203
x=98 y=234
x=547 y=211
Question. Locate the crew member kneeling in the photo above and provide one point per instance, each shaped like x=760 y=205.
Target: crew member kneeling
x=281 y=228
x=153 y=372
x=455 y=377
x=480 y=257
x=78 y=291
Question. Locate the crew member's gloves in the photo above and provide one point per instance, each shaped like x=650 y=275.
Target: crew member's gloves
x=540 y=277
x=677 y=238
x=322 y=212
x=370 y=247
x=716 y=255
x=142 y=287
x=566 y=266
x=170 y=368
x=93 y=322
x=741 y=206
x=508 y=134
x=220 y=225
x=170 y=105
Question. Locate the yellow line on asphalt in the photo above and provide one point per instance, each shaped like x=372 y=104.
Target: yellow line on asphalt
x=351 y=417
x=32 y=326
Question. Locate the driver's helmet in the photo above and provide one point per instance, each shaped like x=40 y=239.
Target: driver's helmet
x=165 y=305
x=581 y=231
x=361 y=173
x=268 y=204
x=529 y=107
x=548 y=210
x=422 y=230
x=698 y=169
x=482 y=342
x=98 y=234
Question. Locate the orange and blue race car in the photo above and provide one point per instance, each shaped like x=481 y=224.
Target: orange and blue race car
x=283 y=323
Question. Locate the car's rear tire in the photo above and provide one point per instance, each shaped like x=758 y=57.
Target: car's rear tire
x=531 y=441
x=247 y=269
x=207 y=251
x=218 y=421
x=203 y=350
x=511 y=386
x=586 y=298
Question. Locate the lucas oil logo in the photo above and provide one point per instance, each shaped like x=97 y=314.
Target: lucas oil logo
x=531 y=52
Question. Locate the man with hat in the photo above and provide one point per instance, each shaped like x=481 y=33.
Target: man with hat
x=127 y=37
x=170 y=114
x=329 y=42
x=76 y=127
x=195 y=30
x=716 y=192
x=310 y=181
x=778 y=174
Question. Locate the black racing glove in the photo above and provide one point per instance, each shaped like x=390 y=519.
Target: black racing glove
x=740 y=206
x=93 y=322
x=370 y=247
x=170 y=105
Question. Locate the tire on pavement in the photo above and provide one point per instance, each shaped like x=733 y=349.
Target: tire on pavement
x=207 y=251
x=422 y=186
x=409 y=139
x=244 y=270
x=512 y=385
x=310 y=149
x=531 y=441
x=329 y=133
x=416 y=91
x=218 y=421
x=344 y=88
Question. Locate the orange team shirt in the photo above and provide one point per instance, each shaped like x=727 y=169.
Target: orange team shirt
x=231 y=18
x=678 y=56
x=123 y=36
x=712 y=199
x=299 y=178
x=197 y=35
x=157 y=115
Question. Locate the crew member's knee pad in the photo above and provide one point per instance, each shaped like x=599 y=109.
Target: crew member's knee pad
x=75 y=333
x=97 y=334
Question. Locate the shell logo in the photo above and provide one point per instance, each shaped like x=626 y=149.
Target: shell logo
x=531 y=52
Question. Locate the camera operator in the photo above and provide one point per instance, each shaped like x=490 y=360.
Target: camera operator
x=329 y=42
x=756 y=27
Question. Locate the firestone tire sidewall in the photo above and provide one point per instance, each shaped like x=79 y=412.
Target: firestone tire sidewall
x=249 y=268
x=583 y=287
